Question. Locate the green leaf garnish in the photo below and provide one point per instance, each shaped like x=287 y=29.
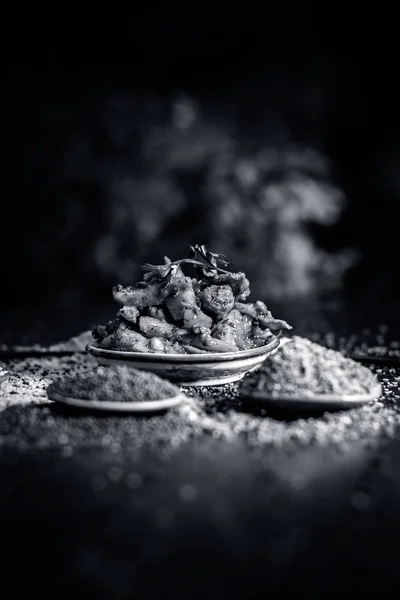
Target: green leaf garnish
x=157 y=272
x=208 y=262
x=215 y=260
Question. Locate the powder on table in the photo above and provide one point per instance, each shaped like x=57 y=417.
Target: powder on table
x=304 y=368
x=378 y=342
x=29 y=378
x=76 y=343
x=30 y=422
x=119 y=384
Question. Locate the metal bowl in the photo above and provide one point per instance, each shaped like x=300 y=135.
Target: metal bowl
x=213 y=368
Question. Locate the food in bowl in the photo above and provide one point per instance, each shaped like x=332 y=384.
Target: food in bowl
x=171 y=312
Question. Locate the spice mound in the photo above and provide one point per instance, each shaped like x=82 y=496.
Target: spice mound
x=303 y=368
x=119 y=384
x=76 y=343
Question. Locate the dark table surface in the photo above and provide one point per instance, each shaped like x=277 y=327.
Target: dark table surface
x=210 y=518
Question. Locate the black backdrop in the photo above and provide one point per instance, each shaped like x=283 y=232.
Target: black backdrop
x=118 y=148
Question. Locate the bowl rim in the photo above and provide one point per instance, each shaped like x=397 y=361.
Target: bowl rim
x=210 y=357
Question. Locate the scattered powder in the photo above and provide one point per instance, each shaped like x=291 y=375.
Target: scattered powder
x=304 y=368
x=29 y=421
x=76 y=343
x=216 y=413
x=381 y=342
x=221 y=413
x=28 y=378
x=120 y=383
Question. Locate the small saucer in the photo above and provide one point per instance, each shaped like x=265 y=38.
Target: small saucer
x=125 y=407
x=315 y=402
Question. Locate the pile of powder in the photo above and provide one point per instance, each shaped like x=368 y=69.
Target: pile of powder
x=120 y=384
x=304 y=368
x=220 y=412
x=29 y=421
x=214 y=413
x=76 y=343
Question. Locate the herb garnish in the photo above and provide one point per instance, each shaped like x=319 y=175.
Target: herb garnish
x=208 y=262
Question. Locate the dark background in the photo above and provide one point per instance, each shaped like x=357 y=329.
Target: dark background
x=269 y=132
